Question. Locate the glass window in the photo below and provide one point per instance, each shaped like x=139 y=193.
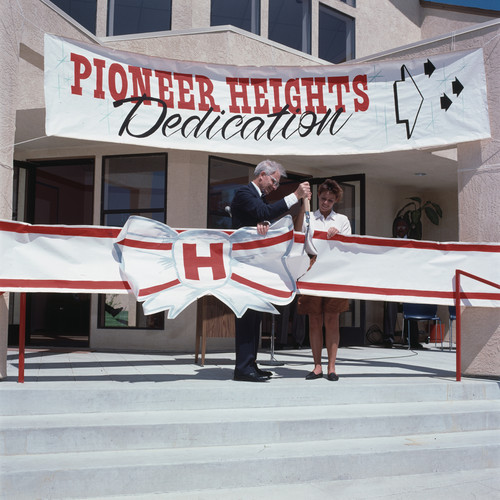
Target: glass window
x=132 y=185
x=244 y=14
x=225 y=177
x=336 y=35
x=138 y=16
x=82 y=11
x=290 y=23
x=352 y=3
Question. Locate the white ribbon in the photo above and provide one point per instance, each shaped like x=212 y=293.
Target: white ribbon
x=168 y=270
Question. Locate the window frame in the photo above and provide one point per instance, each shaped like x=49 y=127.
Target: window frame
x=141 y=210
x=306 y=27
x=110 y=28
x=255 y=10
x=350 y=40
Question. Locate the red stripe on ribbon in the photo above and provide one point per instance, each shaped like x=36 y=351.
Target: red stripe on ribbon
x=406 y=243
x=92 y=232
x=158 y=288
x=73 y=285
x=327 y=287
x=264 y=242
x=148 y=245
x=261 y=288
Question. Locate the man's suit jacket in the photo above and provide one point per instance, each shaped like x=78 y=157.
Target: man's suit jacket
x=247 y=208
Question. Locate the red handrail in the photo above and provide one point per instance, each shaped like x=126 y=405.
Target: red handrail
x=22 y=337
x=458 y=335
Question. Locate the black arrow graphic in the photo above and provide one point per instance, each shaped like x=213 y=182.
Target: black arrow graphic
x=429 y=68
x=407 y=101
x=445 y=102
x=457 y=87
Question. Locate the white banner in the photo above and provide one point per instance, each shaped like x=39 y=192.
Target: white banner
x=168 y=269
x=101 y=94
x=402 y=270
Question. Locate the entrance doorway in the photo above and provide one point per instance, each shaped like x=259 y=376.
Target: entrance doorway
x=56 y=192
x=225 y=176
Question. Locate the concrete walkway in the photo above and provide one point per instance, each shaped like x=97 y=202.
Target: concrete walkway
x=354 y=365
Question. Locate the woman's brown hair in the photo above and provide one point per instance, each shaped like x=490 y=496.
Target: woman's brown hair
x=333 y=187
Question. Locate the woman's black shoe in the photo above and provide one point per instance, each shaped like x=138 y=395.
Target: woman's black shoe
x=333 y=377
x=313 y=376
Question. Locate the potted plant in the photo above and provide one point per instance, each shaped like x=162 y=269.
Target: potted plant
x=410 y=217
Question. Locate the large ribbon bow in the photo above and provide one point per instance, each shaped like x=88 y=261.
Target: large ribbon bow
x=168 y=269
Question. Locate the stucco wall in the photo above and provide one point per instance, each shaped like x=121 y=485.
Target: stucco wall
x=386 y=21
x=10 y=34
x=438 y=21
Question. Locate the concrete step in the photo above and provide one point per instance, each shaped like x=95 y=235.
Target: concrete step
x=100 y=474
x=473 y=484
x=46 y=398
x=79 y=432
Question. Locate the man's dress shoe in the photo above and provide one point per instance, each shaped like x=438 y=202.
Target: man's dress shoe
x=333 y=377
x=250 y=377
x=263 y=373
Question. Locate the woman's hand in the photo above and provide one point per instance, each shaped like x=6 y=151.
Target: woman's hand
x=332 y=231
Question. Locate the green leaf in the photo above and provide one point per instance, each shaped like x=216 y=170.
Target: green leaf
x=432 y=215
x=401 y=212
x=416 y=198
x=438 y=210
x=415 y=216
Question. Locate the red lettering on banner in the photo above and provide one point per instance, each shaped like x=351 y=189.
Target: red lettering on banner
x=260 y=89
x=360 y=81
x=114 y=70
x=276 y=84
x=140 y=85
x=338 y=82
x=165 y=87
x=185 y=82
x=308 y=83
x=242 y=83
x=206 y=88
x=192 y=262
x=293 y=100
x=83 y=70
x=100 y=64
x=185 y=91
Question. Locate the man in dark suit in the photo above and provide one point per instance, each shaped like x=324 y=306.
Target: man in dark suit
x=249 y=208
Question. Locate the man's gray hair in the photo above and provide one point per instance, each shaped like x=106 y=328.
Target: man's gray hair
x=269 y=167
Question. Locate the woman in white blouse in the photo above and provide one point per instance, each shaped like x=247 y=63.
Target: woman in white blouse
x=325 y=310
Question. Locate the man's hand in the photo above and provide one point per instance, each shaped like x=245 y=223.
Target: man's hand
x=303 y=191
x=262 y=227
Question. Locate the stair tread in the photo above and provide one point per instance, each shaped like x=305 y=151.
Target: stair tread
x=456 y=485
x=41 y=398
x=302 y=450
x=206 y=416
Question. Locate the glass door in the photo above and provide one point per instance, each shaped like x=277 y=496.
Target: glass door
x=55 y=192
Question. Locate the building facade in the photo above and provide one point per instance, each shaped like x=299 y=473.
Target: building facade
x=67 y=181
